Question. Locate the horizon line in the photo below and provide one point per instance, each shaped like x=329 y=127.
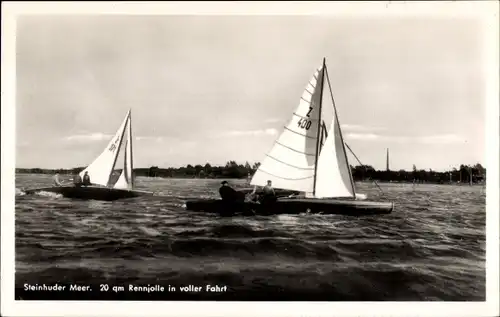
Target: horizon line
x=252 y=163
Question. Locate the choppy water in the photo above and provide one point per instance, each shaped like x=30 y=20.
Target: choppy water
x=432 y=247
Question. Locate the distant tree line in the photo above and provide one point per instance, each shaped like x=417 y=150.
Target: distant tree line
x=463 y=174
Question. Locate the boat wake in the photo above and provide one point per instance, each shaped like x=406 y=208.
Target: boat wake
x=48 y=194
x=361 y=196
x=21 y=192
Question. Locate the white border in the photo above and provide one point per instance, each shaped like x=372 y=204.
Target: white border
x=486 y=10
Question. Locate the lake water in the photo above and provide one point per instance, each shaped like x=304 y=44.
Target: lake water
x=432 y=247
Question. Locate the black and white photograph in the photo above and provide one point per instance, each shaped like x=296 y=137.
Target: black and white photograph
x=309 y=154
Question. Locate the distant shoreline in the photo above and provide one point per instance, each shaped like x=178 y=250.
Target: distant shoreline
x=232 y=170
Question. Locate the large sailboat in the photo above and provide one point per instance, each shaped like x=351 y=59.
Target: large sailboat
x=107 y=182
x=308 y=157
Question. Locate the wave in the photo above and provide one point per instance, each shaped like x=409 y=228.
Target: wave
x=432 y=247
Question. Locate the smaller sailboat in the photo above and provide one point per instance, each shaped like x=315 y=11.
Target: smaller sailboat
x=104 y=183
x=308 y=157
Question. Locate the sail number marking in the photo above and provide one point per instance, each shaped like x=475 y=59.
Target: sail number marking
x=305 y=123
x=309 y=112
x=112 y=147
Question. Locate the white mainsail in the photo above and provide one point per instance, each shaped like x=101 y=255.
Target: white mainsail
x=126 y=178
x=101 y=168
x=290 y=163
x=332 y=178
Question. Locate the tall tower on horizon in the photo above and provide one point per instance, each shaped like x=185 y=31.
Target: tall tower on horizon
x=387 y=161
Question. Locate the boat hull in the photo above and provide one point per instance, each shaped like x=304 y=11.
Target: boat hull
x=292 y=206
x=90 y=192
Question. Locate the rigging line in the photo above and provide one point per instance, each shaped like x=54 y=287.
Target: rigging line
x=362 y=165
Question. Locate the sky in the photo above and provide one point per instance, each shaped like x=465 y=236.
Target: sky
x=219 y=88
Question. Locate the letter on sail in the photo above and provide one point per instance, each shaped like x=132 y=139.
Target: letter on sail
x=290 y=163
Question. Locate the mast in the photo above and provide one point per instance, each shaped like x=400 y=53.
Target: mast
x=318 y=135
x=131 y=149
x=340 y=134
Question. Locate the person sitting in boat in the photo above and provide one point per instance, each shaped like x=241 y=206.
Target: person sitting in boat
x=77 y=180
x=57 y=182
x=86 y=179
x=227 y=193
x=267 y=193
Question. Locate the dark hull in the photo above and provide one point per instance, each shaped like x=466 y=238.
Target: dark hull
x=291 y=206
x=90 y=192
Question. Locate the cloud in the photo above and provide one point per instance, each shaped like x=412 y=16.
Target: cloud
x=149 y=138
x=360 y=128
x=88 y=137
x=362 y=136
x=442 y=139
x=273 y=120
x=431 y=139
x=270 y=131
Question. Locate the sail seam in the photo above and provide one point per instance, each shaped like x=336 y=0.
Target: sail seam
x=300 y=168
x=304 y=135
x=293 y=149
x=311 y=93
x=298 y=115
x=285 y=178
x=308 y=102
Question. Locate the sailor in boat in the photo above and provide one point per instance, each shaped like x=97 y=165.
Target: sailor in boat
x=227 y=193
x=267 y=194
x=86 y=179
x=77 y=180
x=57 y=182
